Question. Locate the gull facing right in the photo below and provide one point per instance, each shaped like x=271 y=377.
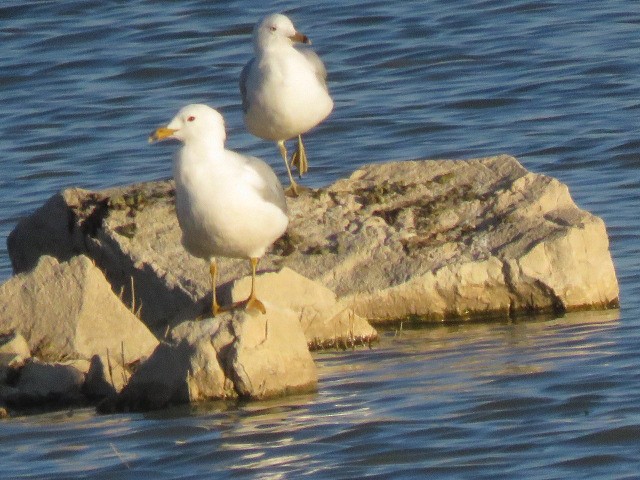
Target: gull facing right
x=284 y=90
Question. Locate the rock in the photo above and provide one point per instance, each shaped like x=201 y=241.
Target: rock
x=325 y=322
x=14 y=352
x=269 y=355
x=425 y=240
x=72 y=223
x=488 y=238
x=232 y=355
x=160 y=381
x=12 y=346
x=68 y=310
x=42 y=383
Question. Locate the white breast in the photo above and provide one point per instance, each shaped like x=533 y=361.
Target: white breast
x=220 y=211
x=286 y=98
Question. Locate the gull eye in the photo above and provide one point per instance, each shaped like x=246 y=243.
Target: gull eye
x=273 y=28
x=191 y=118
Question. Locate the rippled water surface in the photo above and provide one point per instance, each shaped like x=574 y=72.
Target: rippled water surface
x=555 y=83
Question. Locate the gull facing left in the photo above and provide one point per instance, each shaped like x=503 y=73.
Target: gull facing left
x=228 y=204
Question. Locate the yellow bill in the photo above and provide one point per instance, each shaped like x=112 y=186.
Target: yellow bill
x=161 y=133
x=301 y=38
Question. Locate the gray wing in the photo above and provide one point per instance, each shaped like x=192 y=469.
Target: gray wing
x=321 y=71
x=272 y=192
x=244 y=75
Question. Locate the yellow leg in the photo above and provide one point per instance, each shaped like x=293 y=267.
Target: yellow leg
x=213 y=270
x=292 y=190
x=299 y=158
x=252 y=302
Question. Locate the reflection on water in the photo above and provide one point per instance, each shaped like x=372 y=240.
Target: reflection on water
x=445 y=399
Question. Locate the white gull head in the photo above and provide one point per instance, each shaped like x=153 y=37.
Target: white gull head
x=276 y=30
x=194 y=123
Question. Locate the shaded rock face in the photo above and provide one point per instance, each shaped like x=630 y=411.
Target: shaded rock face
x=56 y=383
x=422 y=239
x=104 y=378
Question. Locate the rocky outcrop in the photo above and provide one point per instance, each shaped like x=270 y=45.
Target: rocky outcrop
x=233 y=355
x=425 y=240
x=86 y=343
x=447 y=239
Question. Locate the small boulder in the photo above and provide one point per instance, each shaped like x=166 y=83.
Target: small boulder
x=164 y=378
x=236 y=354
x=269 y=355
x=325 y=322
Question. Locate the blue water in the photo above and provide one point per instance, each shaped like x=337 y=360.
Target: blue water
x=555 y=83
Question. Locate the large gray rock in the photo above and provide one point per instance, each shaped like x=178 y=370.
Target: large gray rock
x=68 y=310
x=422 y=239
x=235 y=354
x=474 y=238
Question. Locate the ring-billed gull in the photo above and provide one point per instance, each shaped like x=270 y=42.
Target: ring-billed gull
x=227 y=204
x=284 y=90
